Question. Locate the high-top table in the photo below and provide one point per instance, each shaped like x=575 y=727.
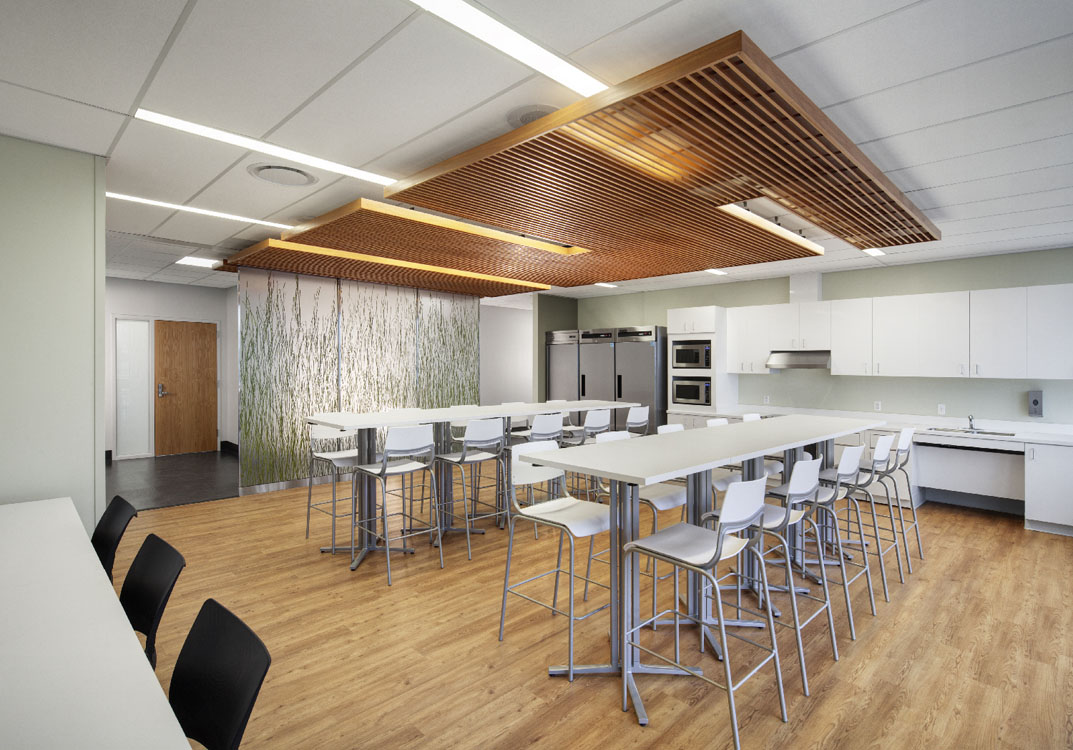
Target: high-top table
x=367 y=423
x=72 y=672
x=691 y=455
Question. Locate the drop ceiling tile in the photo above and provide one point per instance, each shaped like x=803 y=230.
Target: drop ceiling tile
x=328 y=198
x=133 y=218
x=952 y=229
x=1003 y=206
x=151 y=161
x=1032 y=181
x=47 y=119
x=1043 y=229
x=1025 y=76
x=231 y=68
x=201 y=230
x=121 y=274
x=96 y=52
x=420 y=77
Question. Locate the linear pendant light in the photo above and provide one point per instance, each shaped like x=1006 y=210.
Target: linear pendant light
x=261 y=147
x=192 y=210
x=760 y=222
x=510 y=42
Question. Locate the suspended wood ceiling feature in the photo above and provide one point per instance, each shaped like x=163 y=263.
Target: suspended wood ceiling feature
x=637 y=173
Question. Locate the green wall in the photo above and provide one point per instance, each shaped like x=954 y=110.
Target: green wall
x=550 y=313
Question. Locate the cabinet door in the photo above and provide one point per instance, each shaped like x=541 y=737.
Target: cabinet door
x=783 y=328
x=678 y=320
x=1048 y=493
x=759 y=320
x=1050 y=332
x=814 y=325
x=998 y=329
x=942 y=334
x=737 y=335
x=851 y=336
x=702 y=319
x=894 y=336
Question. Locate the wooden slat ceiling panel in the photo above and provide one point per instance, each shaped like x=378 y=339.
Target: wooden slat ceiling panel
x=637 y=173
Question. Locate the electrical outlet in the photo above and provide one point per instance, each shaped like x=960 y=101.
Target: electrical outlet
x=767 y=399
x=877 y=405
x=942 y=410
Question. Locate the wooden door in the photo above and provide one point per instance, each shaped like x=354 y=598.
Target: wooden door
x=185 y=355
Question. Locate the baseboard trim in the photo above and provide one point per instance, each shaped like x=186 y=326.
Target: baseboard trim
x=256 y=489
x=1050 y=528
x=226 y=446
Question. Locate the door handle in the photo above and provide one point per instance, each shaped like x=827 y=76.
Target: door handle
x=619 y=387
x=582 y=385
x=160 y=392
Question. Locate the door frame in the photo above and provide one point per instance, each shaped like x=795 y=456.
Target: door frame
x=151 y=393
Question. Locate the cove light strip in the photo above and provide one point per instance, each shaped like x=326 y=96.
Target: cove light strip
x=760 y=222
x=192 y=210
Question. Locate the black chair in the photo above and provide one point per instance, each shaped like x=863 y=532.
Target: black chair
x=217 y=677
x=147 y=588
x=109 y=531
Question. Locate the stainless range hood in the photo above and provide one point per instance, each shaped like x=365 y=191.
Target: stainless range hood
x=799 y=360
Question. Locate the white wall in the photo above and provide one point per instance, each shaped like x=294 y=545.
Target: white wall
x=51 y=326
x=157 y=301
x=506 y=354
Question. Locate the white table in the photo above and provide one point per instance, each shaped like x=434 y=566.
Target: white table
x=366 y=424
x=72 y=672
x=690 y=454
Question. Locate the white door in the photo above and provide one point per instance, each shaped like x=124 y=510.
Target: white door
x=851 y=336
x=942 y=334
x=1048 y=493
x=894 y=336
x=998 y=333
x=814 y=325
x=1050 y=332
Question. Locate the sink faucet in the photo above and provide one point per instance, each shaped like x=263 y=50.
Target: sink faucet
x=972 y=423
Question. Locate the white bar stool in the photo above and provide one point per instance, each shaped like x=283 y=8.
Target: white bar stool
x=898 y=461
x=637 y=420
x=338 y=462
x=483 y=441
x=663 y=429
x=870 y=470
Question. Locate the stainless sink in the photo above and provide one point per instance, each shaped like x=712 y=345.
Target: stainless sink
x=965 y=431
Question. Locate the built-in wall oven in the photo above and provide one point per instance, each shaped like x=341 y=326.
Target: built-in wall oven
x=691 y=354
x=686 y=390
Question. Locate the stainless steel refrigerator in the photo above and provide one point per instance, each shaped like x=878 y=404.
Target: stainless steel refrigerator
x=561 y=366
x=641 y=372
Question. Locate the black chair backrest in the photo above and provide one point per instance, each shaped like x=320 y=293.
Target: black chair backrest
x=109 y=531
x=147 y=588
x=217 y=677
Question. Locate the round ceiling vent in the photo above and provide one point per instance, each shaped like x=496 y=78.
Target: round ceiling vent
x=281 y=175
x=525 y=115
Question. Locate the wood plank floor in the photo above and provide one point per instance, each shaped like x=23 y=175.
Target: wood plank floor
x=974 y=650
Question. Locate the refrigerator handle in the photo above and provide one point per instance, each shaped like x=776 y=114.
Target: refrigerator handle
x=619 y=387
x=583 y=386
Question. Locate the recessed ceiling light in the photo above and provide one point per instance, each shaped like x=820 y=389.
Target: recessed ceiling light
x=190 y=260
x=872 y=251
x=716 y=271
x=192 y=210
x=606 y=286
x=260 y=147
x=507 y=40
x=279 y=174
x=767 y=225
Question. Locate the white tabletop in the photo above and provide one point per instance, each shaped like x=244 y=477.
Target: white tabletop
x=72 y=672
x=674 y=455
x=342 y=420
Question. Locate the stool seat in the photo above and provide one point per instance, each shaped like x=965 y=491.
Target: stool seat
x=774 y=515
x=664 y=496
x=824 y=495
x=393 y=467
x=336 y=455
x=522 y=474
x=581 y=518
x=721 y=484
x=473 y=457
x=694 y=545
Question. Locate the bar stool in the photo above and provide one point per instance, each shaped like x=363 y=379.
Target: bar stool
x=898 y=462
x=576 y=519
x=843 y=477
x=700 y=550
x=800 y=496
x=663 y=429
x=407 y=451
x=596 y=421
x=545 y=427
x=750 y=417
x=482 y=441
x=870 y=469
x=637 y=420
x=338 y=462
x=530 y=476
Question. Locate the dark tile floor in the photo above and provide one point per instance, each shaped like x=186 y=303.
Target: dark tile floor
x=173 y=480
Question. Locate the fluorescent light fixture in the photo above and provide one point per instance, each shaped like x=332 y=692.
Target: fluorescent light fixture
x=605 y=285
x=507 y=40
x=192 y=210
x=260 y=147
x=716 y=271
x=872 y=251
x=760 y=222
x=190 y=260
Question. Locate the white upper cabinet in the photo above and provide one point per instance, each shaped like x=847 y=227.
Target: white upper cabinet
x=691 y=320
x=814 y=329
x=998 y=332
x=748 y=346
x=851 y=336
x=782 y=324
x=942 y=323
x=1050 y=332
x=894 y=336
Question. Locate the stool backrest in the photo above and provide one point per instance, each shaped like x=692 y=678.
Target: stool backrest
x=717 y=421
x=147 y=588
x=905 y=439
x=482 y=433
x=540 y=446
x=597 y=419
x=663 y=429
x=881 y=453
x=743 y=504
x=610 y=437
x=850 y=463
x=546 y=426
x=804 y=479
x=750 y=417
x=414 y=441
x=637 y=416
x=109 y=530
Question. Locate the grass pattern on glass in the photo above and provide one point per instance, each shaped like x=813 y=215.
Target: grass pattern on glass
x=448 y=369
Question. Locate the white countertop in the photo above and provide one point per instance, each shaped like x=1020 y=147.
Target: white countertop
x=72 y=672
x=341 y=420
x=657 y=458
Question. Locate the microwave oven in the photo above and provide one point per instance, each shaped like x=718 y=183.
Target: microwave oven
x=691 y=391
x=691 y=354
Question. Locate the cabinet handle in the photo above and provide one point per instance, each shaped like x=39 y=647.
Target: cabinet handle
x=865 y=368
x=793 y=343
x=1032 y=454
x=877 y=368
x=803 y=344
x=743 y=367
x=961 y=369
x=977 y=369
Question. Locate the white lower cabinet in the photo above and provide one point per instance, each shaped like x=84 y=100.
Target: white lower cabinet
x=1048 y=491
